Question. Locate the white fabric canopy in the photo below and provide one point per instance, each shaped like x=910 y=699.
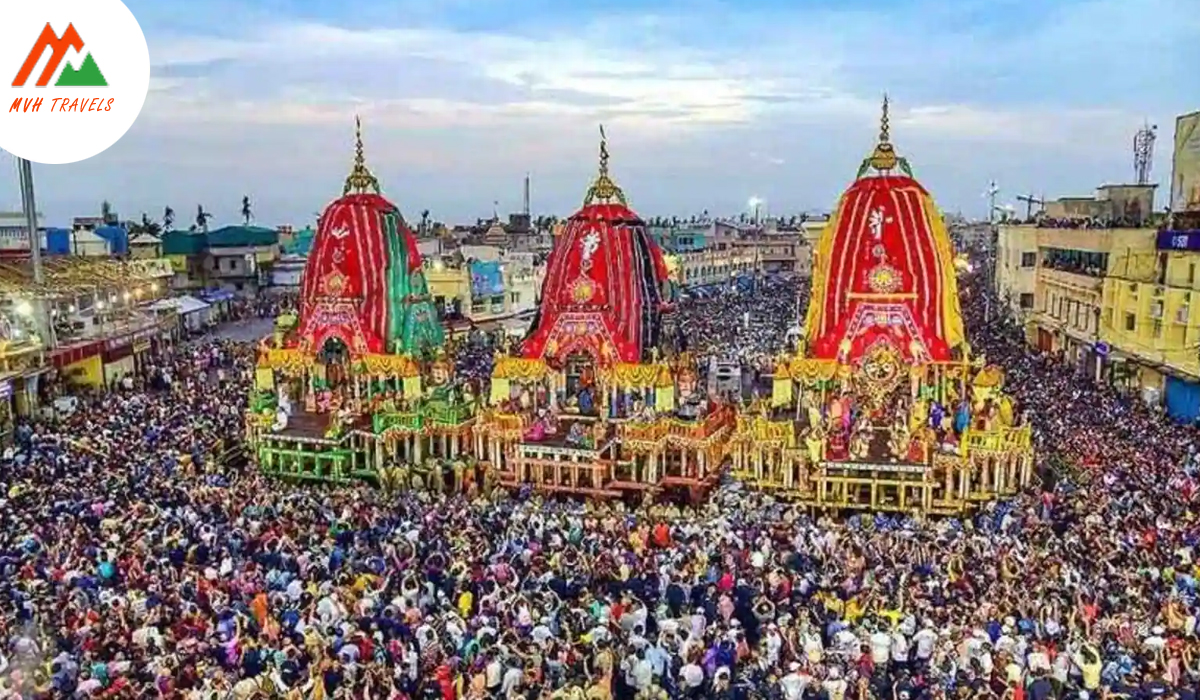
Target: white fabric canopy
x=184 y=304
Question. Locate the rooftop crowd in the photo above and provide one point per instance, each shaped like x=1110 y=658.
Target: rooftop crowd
x=136 y=566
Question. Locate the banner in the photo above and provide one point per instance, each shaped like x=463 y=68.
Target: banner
x=1185 y=164
x=264 y=379
x=486 y=279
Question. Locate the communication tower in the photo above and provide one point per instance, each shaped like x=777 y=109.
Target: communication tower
x=1143 y=153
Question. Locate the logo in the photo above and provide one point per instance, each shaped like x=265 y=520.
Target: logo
x=80 y=73
x=88 y=75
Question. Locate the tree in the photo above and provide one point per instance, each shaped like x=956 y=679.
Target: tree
x=202 y=218
x=168 y=218
x=247 y=215
x=148 y=227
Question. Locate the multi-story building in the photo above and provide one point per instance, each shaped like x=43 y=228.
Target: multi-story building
x=1016 y=270
x=776 y=252
x=236 y=259
x=1126 y=205
x=681 y=239
x=1151 y=319
x=708 y=266
x=484 y=286
x=1072 y=265
x=810 y=234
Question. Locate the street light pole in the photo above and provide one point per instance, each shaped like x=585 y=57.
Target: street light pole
x=44 y=327
x=30 y=206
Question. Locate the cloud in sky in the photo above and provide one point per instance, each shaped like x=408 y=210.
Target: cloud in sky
x=705 y=102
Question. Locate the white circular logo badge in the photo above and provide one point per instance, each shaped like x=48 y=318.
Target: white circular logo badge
x=73 y=78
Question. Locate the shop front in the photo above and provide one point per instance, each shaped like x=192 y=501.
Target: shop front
x=80 y=364
x=126 y=355
x=7 y=409
x=221 y=303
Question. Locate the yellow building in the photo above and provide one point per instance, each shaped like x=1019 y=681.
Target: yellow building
x=450 y=288
x=713 y=265
x=1150 y=320
x=1016 y=269
x=1069 y=304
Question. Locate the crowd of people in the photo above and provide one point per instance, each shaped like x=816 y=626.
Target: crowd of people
x=747 y=323
x=136 y=565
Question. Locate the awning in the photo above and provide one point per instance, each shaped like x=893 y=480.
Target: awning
x=184 y=304
x=213 y=296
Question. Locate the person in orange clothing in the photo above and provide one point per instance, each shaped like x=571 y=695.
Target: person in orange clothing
x=259 y=608
x=661 y=535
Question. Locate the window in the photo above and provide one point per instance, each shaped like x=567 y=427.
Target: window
x=1029 y=259
x=1191 y=273
x=1130 y=321
x=1026 y=300
x=515 y=298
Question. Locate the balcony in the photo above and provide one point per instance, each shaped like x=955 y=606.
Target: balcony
x=1073 y=279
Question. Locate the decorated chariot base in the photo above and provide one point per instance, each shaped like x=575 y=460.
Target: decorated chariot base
x=881 y=408
x=360 y=386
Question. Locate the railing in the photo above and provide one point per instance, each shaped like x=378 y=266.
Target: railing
x=668 y=427
x=382 y=422
x=1003 y=439
x=642 y=432
x=448 y=413
x=702 y=430
x=763 y=429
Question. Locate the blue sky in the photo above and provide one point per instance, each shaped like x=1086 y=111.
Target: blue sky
x=706 y=103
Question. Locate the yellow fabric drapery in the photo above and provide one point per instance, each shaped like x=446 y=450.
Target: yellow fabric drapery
x=631 y=375
x=520 y=369
x=264 y=379
x=804 y=369
x=664 y=399
x=951 y=311
x=813 y=318
x=286 y=360
x=781 y=391
x=501 y=390
x=391 y=365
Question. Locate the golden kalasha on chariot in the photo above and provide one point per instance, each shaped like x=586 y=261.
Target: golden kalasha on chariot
x=883 y=407
x=588 y=404
x=359 y=386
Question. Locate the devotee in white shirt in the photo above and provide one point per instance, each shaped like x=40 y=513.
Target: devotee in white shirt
x=881 y=647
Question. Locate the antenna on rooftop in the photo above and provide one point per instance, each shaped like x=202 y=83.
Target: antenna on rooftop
x=1030 y=200
x=992 y=190
x=1143 y=153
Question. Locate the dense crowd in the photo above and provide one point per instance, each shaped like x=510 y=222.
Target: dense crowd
x=736 y=322
x=1089 y=222
x=136 y=566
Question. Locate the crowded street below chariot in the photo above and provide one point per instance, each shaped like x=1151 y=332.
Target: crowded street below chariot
x=644 y=351
x=136 y=564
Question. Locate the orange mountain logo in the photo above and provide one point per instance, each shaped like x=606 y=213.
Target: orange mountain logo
x=87 y=75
